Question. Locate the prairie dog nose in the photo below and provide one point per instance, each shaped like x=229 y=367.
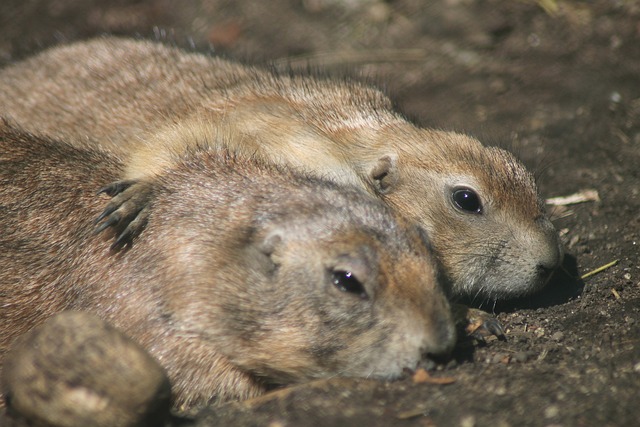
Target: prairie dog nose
x=551 y=253
x=442 y=340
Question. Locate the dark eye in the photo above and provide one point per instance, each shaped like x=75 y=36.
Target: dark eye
x=347 y=282
x=466 y=200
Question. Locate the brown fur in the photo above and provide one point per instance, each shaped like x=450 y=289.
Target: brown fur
x=151 y=103
x=231 y=286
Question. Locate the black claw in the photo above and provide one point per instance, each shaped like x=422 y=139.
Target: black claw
x=108 y=190
x=105 y=213
x=495 y=328
x=122 y=239
x=490 y=327
x=111 y=221
x=125 y=212
x=115 y=188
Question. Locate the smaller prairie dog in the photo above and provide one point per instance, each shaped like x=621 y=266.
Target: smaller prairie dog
x=150 y=104
x=246 y=275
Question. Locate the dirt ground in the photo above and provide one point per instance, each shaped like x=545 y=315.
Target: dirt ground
x=557 y=82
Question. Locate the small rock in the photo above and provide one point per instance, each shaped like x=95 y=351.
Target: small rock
x=551 y=411
x=468 y=421
x=497 y=358
x=615 y=97
x=75 y=370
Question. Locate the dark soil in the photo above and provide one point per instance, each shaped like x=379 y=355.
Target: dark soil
x=557 y=82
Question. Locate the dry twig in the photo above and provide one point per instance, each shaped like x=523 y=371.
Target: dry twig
x=599 y=269
x=588 y=195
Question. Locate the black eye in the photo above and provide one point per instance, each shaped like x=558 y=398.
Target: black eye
x=467 y=200
x=347 y=282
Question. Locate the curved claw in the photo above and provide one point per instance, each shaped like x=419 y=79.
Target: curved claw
x=128 y=210
x=477 y=323
x=110 y=209
x=116 y=187
x=135 y=226
x=489 y=327
x=112 y=220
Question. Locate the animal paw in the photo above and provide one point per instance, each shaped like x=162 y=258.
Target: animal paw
x=127 y=212
x=477 y=323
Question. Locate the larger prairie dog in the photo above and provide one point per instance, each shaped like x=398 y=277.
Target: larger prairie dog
x=151 y=103
x=246 y=275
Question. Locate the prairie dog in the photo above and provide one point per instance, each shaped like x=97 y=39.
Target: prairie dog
x=246 y=275
x=150 y=103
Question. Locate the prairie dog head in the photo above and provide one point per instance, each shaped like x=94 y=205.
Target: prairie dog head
x=309 y=284
x=482 y=210
x=365 y=307
x=479 y=205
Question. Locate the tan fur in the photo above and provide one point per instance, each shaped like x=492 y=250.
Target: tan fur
x=151 y=103
x=231 y=286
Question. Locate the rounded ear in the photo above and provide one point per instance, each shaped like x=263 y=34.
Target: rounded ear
x=384 y=174
x=268 y=250
x=271 y=242
x=261 y=250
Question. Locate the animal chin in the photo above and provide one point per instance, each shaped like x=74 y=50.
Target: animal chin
x=392 y=369
x=518 y=287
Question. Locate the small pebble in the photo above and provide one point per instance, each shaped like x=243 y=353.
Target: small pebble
x=468 y=421
x=615 y=97
x=551 y=411
x=497 y=358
